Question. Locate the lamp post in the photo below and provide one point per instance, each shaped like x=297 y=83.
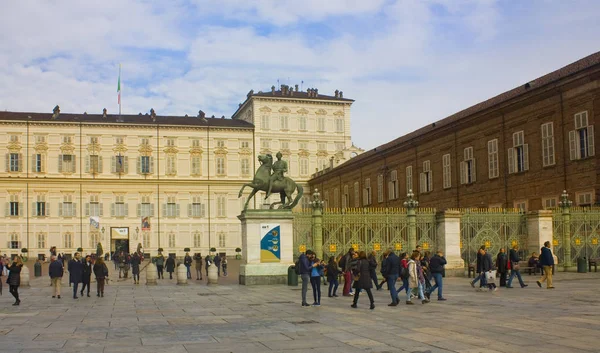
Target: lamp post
x=137 y=233
x=411 y=212
x=103 y=230
x=565 y=205
x=317 y=221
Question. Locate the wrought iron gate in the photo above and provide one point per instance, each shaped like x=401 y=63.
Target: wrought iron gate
x=302 y=231
x=584 y=233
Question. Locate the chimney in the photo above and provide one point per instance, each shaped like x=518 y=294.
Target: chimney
x=296 y=88
x=273 y=90
x=104 y=111
x=341 y=94
x=337 y=93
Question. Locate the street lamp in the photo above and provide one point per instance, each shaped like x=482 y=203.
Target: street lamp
x=411 y=203
x=102 y=230
x=137 y=233
x=564 y=200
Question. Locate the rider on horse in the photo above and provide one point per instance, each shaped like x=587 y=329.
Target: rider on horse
x=279 y=168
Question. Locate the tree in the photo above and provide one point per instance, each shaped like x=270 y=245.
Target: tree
x=99 y=250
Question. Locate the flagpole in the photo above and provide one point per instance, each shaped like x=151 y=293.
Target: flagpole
x=119 y=87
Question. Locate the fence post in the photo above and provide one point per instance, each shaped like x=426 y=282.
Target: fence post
x=411 y=212
x=448 y=234
x=317 y=223
x=539 y=230
x=565 y=205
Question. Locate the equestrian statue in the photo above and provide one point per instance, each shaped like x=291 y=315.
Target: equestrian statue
x=274 y=182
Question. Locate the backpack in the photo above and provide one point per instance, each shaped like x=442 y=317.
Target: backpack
x=297 y=267
x=403 y=272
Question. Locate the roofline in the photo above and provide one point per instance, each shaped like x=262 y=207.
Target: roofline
x=345 y=101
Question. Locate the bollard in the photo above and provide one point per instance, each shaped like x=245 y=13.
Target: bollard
x=181 y=275
x=151 y=274
x=24 y=276
x=213 y=277
x=37 y=269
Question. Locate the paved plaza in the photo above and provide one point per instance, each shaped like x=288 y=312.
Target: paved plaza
x=232 y=318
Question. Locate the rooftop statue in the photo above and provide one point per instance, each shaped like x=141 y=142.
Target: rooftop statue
x=275 y=181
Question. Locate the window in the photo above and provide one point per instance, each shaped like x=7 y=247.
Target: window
x=356 y=194
x=171 y=208
x=549 y=203
x=171 y=240
x=38 y=163
x=94 y=239
x=14 y=241
x=380 y=188
x=409 y=179
x=146 y=239
x=170 y=142
x=171 y=164
x=493 y=170
x=265 y=144
x=339 y=125
x=426 y=178
x=367 y=193
x=336 y=198
x=119 y=140
x=120 y=164
x=521 y=205
x=548 y=144
x=13 y=207
x=221 y=206
x=145 y=165
x=245 y=166
x=322 y=146
x=66 y=163
x=196 y=143
x=265 y=122
x=67 y=208
x=222 y=239
x=119 y=208
x=303 y=145
x=41 y=241
x=94 y=207
x=14 y=162
x=40 y=207
x=196 y=162
x=67 y=140
x=518 y=155
x=144 y=141
x=581 y=140
x=221 y=143
x=220 y=165
x=447 y=174
x=14 y=138
x=93 y=164
x=285 y=145
x=345 y=197
x=321 y=163
x=393 y=185
x=196 y=209
x=303 y=166
x=284 y=122
x=585 y=199
x=468 y=171
x=93 y=140
x=68 y=240
x=245 y=144
x=146 y=208
x=302 y=123
x=40 y=139
x=320 y=124
x=197 y=240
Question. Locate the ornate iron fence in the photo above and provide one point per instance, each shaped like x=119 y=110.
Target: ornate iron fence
x=302 y=231
x=583 y=225
x=494 y=228
x=427 y=229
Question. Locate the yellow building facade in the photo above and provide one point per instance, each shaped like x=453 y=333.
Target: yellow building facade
x=171 y=182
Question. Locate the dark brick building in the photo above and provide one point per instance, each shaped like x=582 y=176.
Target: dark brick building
x=521 y=148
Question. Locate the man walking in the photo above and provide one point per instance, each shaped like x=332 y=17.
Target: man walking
x=547 y=261
x=346 y=265
x=513 y=262
x=86 y=275
x=392 y=269
x=208 y=261
x=436 y=266
x=187 y=261
x=304 y=262
x=217 y=261
x=55 y=270
x=478 y=267
x=75 y=273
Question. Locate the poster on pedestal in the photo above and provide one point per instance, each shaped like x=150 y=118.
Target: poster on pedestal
x=270 y=242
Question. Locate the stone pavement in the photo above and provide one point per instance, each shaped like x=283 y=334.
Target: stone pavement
x=232 y=318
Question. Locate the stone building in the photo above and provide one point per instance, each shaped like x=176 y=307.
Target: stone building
x=519 y=149
x=73 y=180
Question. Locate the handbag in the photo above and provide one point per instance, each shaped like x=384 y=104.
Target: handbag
x=515 y=266
x=490 y=276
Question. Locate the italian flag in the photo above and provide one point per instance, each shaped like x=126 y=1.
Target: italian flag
x=119 y=85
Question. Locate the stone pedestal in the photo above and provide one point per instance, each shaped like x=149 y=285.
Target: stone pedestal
x=182 y=275
x=24 y=276
x=448 y=233
x=255 y=270
x=151 y=274
x=213 y=274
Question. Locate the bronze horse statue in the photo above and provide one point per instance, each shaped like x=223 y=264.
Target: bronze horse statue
x=284 y=187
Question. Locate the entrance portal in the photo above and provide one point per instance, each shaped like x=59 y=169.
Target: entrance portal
x=119 y=245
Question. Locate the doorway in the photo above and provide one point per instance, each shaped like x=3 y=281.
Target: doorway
x=119 y=245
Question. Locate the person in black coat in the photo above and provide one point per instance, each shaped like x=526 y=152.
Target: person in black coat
x=187 y=261
x=373 y=267
x=333 y=272
x=392 y=269
x=86 y=275
x=217 y=261
x=75 y=272
x=436 y=267
x=502 y=266
x=135 y=267
x=480 y=273
x=14 y=278
x=55 y=271
x=487 y=264
x=364 y=280
x=101 y=273
x=513 y=258
x=170 y=265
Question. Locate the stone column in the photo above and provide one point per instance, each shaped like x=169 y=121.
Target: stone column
x=411 y=213
x=448 y=234
x=182 y=275
x=151 y=274
x=317 y=224
x=24 y=276
x=565 y=206
x=539 y=230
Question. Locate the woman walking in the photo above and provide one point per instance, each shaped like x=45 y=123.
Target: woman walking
x=362 y=279
x=101 y=273
x=383 y=270
x=416 y=280
x=14 y=278
x=403 y=272
x=502 y=266
x=332 y=276
x=170 y=265
x=315 y=280
x=372 y=267
x=135 y=267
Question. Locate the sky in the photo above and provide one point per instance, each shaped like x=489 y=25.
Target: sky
x=407 y=63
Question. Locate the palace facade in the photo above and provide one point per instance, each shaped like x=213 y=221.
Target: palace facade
x=171 y=182
x=520 y=149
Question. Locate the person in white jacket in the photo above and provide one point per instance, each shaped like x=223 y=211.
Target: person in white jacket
x=415 y=278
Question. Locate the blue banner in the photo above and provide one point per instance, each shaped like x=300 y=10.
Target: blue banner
x=270 y=246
